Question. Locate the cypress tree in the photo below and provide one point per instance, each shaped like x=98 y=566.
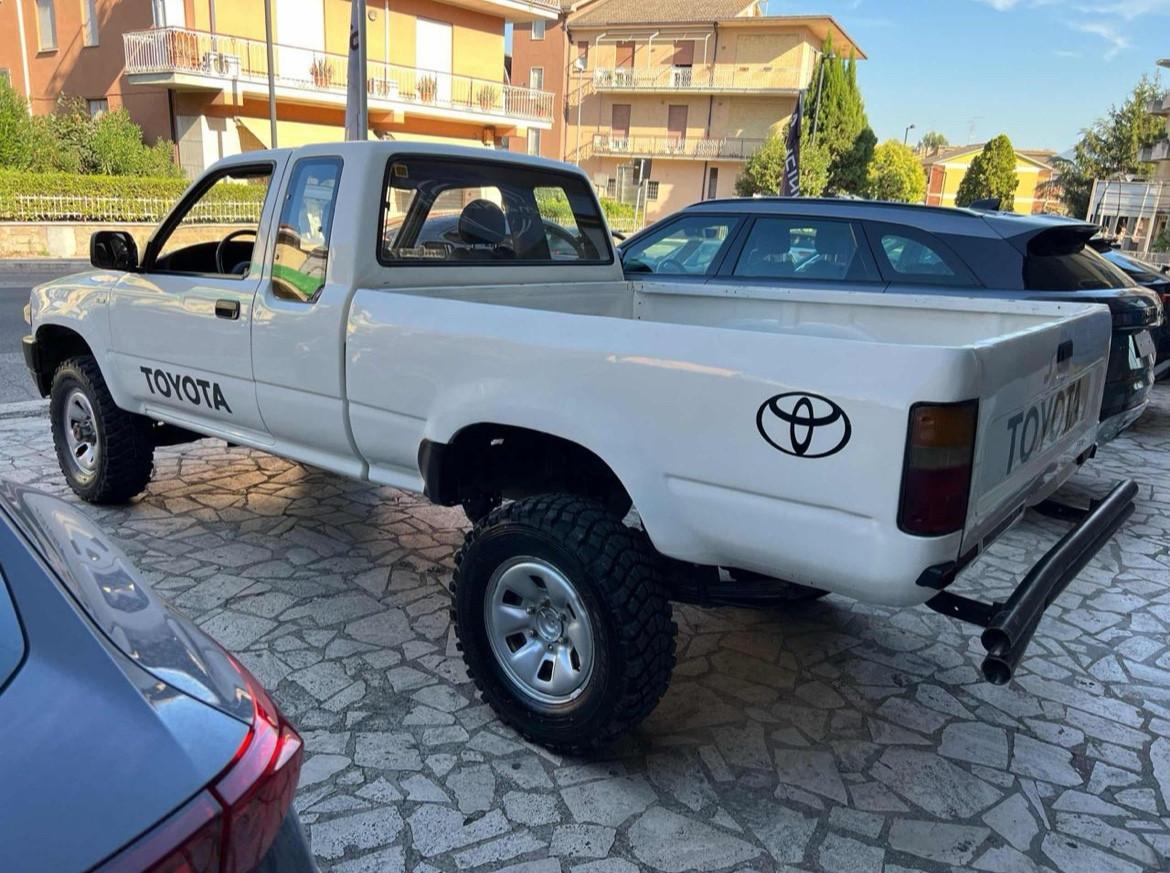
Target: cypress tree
x=991 y=174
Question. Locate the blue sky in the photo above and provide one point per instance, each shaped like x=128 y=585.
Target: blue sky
x=1037 y=70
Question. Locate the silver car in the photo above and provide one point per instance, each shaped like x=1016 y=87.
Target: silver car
x=129 y=740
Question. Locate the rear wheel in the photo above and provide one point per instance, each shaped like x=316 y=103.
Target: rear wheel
x=563 y=621
x=106 y=453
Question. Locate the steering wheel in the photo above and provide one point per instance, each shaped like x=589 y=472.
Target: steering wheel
x=562 y=234
x=671 y=265
x=219 y=249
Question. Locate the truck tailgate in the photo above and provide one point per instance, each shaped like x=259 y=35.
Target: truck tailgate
x=1040 y=396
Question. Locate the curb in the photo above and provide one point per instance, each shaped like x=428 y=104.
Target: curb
x=24 y=409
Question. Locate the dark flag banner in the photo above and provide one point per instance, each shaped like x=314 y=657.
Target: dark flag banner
x=790 y=184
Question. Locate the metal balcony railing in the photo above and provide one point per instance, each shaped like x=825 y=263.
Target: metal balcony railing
x=177 y=50
x=1160 y=105
x=726 y=148
x=1159 y=151
x=700 y=77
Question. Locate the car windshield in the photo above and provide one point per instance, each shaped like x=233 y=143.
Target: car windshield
x=1138 y=270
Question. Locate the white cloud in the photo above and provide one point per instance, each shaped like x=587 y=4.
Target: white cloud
x=1116 y=42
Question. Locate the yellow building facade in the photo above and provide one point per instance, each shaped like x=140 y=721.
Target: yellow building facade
x=197 y=71
x=1035 y=191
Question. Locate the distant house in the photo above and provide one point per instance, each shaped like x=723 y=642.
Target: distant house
x=1037 y=191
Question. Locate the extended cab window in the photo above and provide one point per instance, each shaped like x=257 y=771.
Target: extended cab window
x=306 y=221
x=214 y=232
x=796 y=247
x=686 y=247
x=437 y=211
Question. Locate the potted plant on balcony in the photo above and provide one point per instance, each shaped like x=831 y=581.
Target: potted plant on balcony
x=428 y=89
x=487 y=97
x=322 y=72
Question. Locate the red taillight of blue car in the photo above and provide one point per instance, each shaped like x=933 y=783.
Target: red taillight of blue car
x=229 y=825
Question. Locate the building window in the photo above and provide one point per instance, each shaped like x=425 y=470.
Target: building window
x=712 y=183
x=89 y=22
x=6 y=76
x=534 y=141
x=536 y=78
x=46 y=26
x=611 y=188
x=583 y=54
x=98 y=107
x=651 y=190
x=538 y=29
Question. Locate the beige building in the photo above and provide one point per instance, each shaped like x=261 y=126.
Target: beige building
x=696 y=87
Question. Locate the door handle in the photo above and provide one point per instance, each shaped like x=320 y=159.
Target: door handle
x=229 y=309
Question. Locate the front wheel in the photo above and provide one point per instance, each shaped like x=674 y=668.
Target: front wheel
x=105 y=452
x=563 y=621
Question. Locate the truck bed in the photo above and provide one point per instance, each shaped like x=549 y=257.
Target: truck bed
x=668 y=396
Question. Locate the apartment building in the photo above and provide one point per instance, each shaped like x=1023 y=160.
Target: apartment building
x=196 y=71
x=1036 y=188
x=1159 y=152
x=695 y=87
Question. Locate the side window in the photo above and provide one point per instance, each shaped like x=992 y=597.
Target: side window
x=437 y=211
x=801 y=247
x=215 y=232
x=907 y=255
x=686 y=247
x=302 y=236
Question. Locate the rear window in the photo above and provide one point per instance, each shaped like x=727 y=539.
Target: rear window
x=1065 y=263
x=439 y=211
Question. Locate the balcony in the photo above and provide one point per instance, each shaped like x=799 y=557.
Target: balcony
x=707 y=149
x=193 y=60
x=1159 y=151
x=513 y=10
x=702 y=79
x=1160 y=105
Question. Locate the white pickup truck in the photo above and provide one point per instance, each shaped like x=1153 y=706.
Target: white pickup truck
x=455 y=322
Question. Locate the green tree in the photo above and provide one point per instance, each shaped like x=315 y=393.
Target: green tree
x=116 y=148
x=1109 y=147
x=835 y=106
x=896 y=174
x=991 y=174
x=15 y=129
x=932 y=141
x=764 y=169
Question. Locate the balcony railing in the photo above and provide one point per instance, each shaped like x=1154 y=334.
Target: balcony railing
x=175 y=50
x=701 y=77
x=1159 y=151
x=1160 y=105
x=705 y=149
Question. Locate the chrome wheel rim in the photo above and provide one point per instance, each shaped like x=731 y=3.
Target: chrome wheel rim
x=81 y=433
x=539 y=630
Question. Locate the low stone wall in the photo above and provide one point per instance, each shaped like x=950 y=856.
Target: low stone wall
x=64 y=239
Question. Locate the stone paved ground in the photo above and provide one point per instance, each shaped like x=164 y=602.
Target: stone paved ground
x=833 y=737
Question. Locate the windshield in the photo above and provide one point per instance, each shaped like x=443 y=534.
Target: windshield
x=1138 y=270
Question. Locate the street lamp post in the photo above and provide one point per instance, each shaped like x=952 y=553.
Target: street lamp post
x=906 y=133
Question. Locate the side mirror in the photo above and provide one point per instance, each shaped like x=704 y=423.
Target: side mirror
x=113 y=250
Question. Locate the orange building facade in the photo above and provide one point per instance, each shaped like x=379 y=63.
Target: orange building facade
x=196 y=71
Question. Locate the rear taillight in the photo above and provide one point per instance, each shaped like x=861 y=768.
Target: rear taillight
x=228 y=826
x=936 y=481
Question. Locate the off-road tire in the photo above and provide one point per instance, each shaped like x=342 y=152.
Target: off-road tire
x=126 y=456
x=618 y=575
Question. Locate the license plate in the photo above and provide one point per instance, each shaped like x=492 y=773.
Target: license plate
x=1144 y=343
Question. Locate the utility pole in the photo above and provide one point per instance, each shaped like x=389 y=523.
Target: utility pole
x=271 y=71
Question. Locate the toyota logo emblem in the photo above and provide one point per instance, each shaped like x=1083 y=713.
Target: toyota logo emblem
x=804 y=425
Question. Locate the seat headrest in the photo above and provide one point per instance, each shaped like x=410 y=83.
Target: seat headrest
x=834 y=240
x=482 y=223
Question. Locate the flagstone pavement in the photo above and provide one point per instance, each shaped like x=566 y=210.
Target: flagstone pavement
x=827 y=737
